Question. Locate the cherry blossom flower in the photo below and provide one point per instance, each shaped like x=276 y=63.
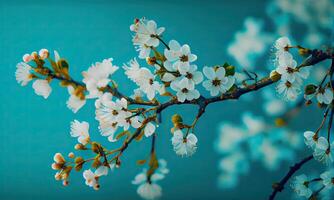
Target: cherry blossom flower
x=149 y=129
x=74 y=103
x=146 y=36
x=179 y=56
x=80 y=130
x=287 y=67
x=282 y=45
x=27 y=58
x=323 y=151
x=300 y=186
x=192 y=77
x=144 y=79
x=184 y=145
x=42 y=88
x=184 y=91
x=149 y=189
x=92 y=178
x=325 y=95
x=22 y=73
x=328 y=178
x=288 y=90
x=218 y=81
x=310 y=139
x=97 y=76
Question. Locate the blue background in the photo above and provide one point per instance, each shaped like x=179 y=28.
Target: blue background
x=33 y=129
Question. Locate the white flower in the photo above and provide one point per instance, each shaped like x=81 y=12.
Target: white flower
x=325 y=95
x=287 y=67
x=192 y=77
x=184 y=91
x=97 y=76
x=92 y=178
x=323 y=151
x=74 y=103
x=42 y=88
x=111 y=115
x=146 y=36
x=288 y=90
x=310 y=139
x=144 y=79
x=328 y=178
x=22 y=73
x=80 y=130
x=184 y=146
x=300 y=186
x=282 y=45
x=148 y=189
x=179 y=56
x=218 y=81
x=149 y=129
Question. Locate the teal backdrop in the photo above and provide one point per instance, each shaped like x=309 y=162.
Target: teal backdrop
x=33 y=129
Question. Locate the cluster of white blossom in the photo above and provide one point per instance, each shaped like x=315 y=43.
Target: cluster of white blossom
x=254 y=140
x=321 y=146
x=147 y=186
x=305 y=186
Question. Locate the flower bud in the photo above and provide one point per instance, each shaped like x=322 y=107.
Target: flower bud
x=275 y=76
x=151 y=60
x=79 y=147
x=58 y=176
x=27 y=58
x=43 y=54
x=71 y=155
x=310 y=89
x=58 y=158
x=176 y=119
x=56 y=166
x=34 y=55
x=65 y=182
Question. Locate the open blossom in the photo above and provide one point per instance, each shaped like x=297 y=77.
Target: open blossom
x=179 y=56
x=149 y=129
x=74 y=102
x=300 y=186
x=92 y=178
x=97 y=76
x=112 y=114
x=310 y=139
x=325 y=95
x=184 y=91
x=192 y=77
x=150 y=189
x=42 y=88
x=288 y=90
x=22 y=73
x=281 y=45
x=328 y=178
x=80 y=130
x=218 y=81
x=287 y=67
x=144 y=78
x=184 y=146
x=323 y=151
x=146 y=36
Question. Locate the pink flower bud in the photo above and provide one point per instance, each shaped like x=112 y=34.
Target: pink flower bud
x=27 y=58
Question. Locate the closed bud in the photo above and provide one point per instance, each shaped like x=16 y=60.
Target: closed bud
x=310 y=89
x=151 y=60
x=58 y=158
x=78 y=160
x=95 y=147
x=71 y=155
x=58 y=176
x=96 y=163
x=275 y=76
x=304 y=52
x=62 y=63
x=56 y=166
x=176 y=119
x=79 y=147
x=65 y=182
x=43 y=54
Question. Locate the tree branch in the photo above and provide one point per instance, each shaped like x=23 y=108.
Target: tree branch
x=279 y=187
